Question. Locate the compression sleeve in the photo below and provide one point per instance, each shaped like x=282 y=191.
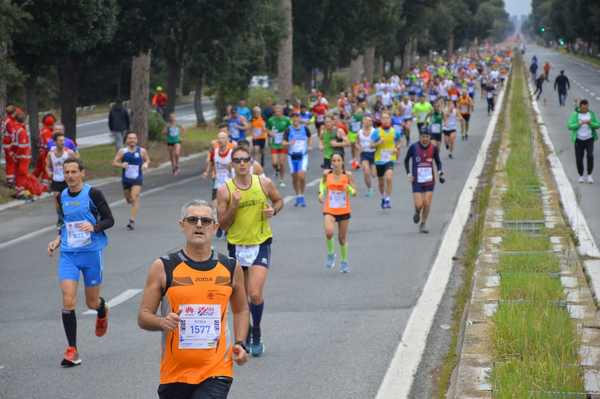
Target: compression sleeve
x=407 y=158
x=436 y=158
x=105 y=220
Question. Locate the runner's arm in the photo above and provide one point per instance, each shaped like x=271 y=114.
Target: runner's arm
x=118 y=159
x=106 y=220
x=155 y=283
x=239 y=305
x=407 y=160
x=273 y=194
x=146 y=158
x=48 y=166
x=225 y=210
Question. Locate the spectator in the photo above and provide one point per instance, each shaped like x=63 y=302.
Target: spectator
x=118 y=123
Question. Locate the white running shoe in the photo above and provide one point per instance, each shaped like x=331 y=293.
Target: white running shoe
x=590 y=179
x=581 y=179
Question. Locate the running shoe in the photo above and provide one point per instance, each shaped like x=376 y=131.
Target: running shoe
x=257 y=348
x=383 y=203
x=369 y=193
x=450 y=155
x=302 y=202
x=131 y=225
x=581 y=179
x=102 y=323
x=344 y=267
x=417 y=217
x=297 y=201
x=355 y=165
x=71 y=357
x=281 y=183
x=423 y=229
x=330 y=262
x=590 y=179
x=467 y=136
x=249 y=336
x=176 y=171
x=388 y=204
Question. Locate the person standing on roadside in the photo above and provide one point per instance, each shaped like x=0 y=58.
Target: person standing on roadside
x=562 y=85
x=583 y=125
x=118 y=123
x=45 y=136
x=8 y=141
x=159 y=102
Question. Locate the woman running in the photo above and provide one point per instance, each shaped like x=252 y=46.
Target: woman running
x=173 y=131
x=451 y=118
x=259 y=134
x=334 y=192
x=366 y=147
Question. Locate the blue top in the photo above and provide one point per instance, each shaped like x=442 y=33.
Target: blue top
x=245 y=112
x=297 y=139
x=76 y=210
x=133 y=173
x=235 y=133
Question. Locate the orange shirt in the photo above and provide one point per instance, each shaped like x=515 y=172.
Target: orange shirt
x=464 y=104
x=258 y=128
x=337 y=200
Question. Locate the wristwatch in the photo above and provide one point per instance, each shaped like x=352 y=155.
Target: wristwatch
x=243 y=345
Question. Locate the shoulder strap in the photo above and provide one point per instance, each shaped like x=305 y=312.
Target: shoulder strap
x=228 y=262
x=170 y=261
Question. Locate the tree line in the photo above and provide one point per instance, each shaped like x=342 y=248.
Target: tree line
x=63 y=54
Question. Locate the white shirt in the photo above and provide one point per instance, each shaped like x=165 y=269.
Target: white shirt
x=585 y=131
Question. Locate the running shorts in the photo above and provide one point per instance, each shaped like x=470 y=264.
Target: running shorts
x=339 y=218
x=214 y=388
x=449 y=132
x=260 y=143
x=58 y=186
x=436 y=136
x=275 y=151
x=422 y=188
x=89 y=263
x=298 y=164
x=263 y=258
x=382 y=168
x=368 y=156
x=466 y=117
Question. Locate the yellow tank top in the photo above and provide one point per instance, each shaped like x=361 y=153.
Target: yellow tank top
x=385 y=151
x=250 y=225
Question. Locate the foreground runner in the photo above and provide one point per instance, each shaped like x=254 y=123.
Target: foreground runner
x=198 y=362
x=334 y=191
x=298 y=141
x=422 y=176
x=85 y=215
x=245 y=204
x=133 y=159
x=387 y=143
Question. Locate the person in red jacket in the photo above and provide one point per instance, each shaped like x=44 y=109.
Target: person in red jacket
x=8 y=130
x=46 y=132
x=159 y=102
x=25 y=183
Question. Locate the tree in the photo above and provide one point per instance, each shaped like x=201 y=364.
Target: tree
x=285 y=59
x=11 y=19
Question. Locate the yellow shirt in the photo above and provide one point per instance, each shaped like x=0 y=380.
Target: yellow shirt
x=250 y=225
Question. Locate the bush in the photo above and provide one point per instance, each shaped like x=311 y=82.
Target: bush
x=258 y=96
x=339 y=83
x=156 y=124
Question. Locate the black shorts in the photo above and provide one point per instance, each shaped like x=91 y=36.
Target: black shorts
x=422 y=188
x=319 y=124
x=449 y=132
x=58 y=186
x=382 y=168
x=367 y=156
x=214 y=387
x=214 y=194
x=263 y=257
x=260 y=143
x=436 y=136
x=466 y=117
x=128 y=185
x=421 y=126
x=339 y=218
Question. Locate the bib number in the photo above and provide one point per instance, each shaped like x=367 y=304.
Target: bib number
x=257 y=132
x=199 y=326
x=75 y=237
x=424 y=174
x=246 y=254
x=132 y=171
x=173 y=132
x=222 y=176
x=435 y=128
x=278 y=137
x=299 y=147
x=58 y=173
x=386 y=156
x=337 y=199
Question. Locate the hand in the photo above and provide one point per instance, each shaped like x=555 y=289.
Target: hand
x=321 y=198
x=124 y=165
x=53 y=245
x=410 y=178
x=442 y=178
x=269 y=211
x=321 y=146
x=235 y=197
x=240 y=356
x=145 y=166
x=170 y=322
x=86 y=227
x=205 y=174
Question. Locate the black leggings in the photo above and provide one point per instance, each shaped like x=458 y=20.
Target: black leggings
x=490 y=104
x=212 y=388
x=587 y=147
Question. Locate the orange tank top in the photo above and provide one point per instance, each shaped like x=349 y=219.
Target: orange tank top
x=200 y=347
x=337 y=200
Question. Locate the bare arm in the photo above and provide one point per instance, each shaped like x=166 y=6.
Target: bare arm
x=239 y=306
x=155 y=283
x=48 y=166
x=118 y=161
x=225 y=208
x=146 y=158
x=273 y=194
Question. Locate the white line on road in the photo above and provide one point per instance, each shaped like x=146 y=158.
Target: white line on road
x=119 y=299
x=400 y=375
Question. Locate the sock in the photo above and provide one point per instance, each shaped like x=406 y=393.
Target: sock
x=330 y=246
x=101 y=309
x=70 y=325
x=256 y=311
x=344 y=252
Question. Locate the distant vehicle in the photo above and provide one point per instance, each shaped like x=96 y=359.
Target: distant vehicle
x=260 y=81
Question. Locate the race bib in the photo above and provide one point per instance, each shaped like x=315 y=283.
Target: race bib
x=425 y=174
x=199 y=326
x=173 y=132
x=386 y=156
x=355 y=126
x=278 y=137
x=234 y=133
x=257 y=131
x=320 y=118
x=453 y=97
x=435 y=128
x=337 y=199
x=298 y=147
x=75 y=237
x=222 y=176
x=246 y=254
x=58 y=173
x=132 y=171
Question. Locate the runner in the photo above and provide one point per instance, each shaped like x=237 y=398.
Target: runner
x=422 y=111
x=355 y=125
x=451 y=117
x=563 y=85
x=159 y=102
x=465 y=107
x=437 y=121
x=237 y=126
x=84 y=215
x=133 y=159
x=199 y=361
x=54 y=166
x=387 y=149
x=583 y=125
x=422 y=176
x=277 y=125
x=259 y=135
x=297 y=139
x=173 y=131
x=245 y=205
x=407 y=112
x=490 y=95
x=334 y=191
x=367 y=153
x=331 y=140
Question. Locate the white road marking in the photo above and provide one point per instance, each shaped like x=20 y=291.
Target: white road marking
x=119 y=299
x=400 y=375
x=597 y=98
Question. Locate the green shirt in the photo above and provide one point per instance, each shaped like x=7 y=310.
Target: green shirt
x=356 y=122
x=278 y=125
x=327 y=148
x=421 y=110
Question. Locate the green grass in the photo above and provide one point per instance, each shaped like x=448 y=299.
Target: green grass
x=520 y=241
x=536 y=288
x=6 y=194
x=529 y=263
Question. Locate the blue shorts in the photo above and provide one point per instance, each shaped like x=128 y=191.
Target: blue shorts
x=422 y=188
x=71 y=264
x=298 y=163
x=263 y=258
x=368 y=156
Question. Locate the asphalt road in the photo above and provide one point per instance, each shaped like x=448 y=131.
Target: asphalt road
x=585 y=83
x=328 y=335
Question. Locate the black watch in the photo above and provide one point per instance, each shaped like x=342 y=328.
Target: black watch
x=243 y=345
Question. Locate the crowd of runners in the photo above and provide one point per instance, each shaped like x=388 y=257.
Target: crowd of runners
x=417 y=117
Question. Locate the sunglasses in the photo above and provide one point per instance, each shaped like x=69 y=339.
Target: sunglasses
x=240 y=160
x=204 y=221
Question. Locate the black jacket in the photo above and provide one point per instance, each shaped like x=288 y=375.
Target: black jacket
x=118 y=119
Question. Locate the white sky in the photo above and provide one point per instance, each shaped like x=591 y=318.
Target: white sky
x=518 y=7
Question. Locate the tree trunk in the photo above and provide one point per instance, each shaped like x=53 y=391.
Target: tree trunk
x=69 y=70
x=173 y=75
x=356 y=69
x=285 y=54
x=326 y=82
x=380 y=67
x=369 y=61
x=32 y=109
x=140 y=92
x=450 y=45
x=200 y=121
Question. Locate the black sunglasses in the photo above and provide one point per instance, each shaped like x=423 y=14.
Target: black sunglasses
x=240 y=160
x=204 y=221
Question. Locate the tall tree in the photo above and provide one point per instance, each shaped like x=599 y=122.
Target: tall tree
x=285 y=55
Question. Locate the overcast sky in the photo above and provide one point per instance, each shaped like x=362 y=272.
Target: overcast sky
x=518 y=7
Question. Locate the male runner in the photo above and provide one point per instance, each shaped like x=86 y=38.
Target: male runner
x=387 y=148
x=194 y=287
x=54 y=164
x=133 y=159
x=277 y=125
x=297 y=139
x=84 y=215
x=245 y=204
x=422 y=110
x=465 y=107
